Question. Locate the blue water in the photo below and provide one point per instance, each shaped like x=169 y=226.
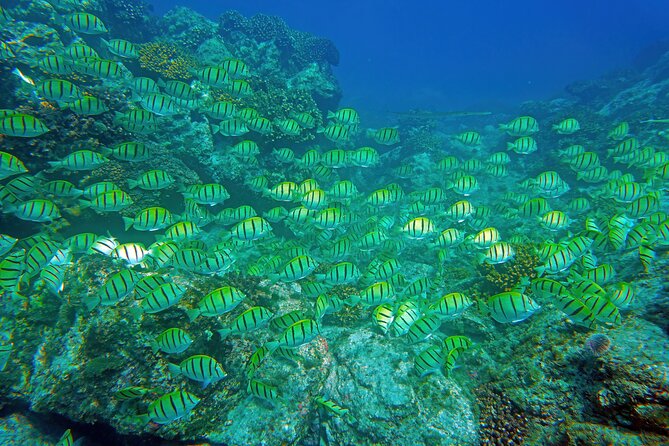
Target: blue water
x=449 y=55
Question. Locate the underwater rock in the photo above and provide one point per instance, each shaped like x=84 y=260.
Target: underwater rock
x=187 y=28
x=654 y=417
x=17 y=429
x=232 y=21
x=632 y=382
x=374 y=375
x=189 y=138
x=591 y=433
x=325 y=90
x=656 y=309
x=32 y=41
x=658 y=71
x=644 y=94
x=129 y=19
x=211 y=51
x=626 y=93
x=298 y=47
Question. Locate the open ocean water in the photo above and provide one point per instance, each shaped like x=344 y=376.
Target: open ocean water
x=342 y=223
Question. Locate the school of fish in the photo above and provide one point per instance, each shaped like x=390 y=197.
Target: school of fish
x=337 y=232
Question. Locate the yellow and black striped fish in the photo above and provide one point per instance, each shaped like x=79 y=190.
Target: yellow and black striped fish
x=170 y=407
x=21 y=125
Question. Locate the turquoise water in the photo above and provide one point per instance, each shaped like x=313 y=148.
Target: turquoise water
x=205 y=241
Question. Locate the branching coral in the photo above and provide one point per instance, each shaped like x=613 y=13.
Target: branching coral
x=505 y=276
x=166 y=59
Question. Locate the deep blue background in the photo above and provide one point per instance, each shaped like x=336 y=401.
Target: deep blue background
x=447 y=55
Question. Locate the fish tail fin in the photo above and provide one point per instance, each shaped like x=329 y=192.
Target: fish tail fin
x=127 y=222
x=483 y=307
x=91 y=303
x=140 y=419
x=174 y=369
x=353 y=300
x=192 y=314
x=154 y=347
x=136 y=312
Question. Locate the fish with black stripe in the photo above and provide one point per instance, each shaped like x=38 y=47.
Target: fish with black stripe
x=201 y=368
x=300 y=333
x=170 y=407
x=250 y=320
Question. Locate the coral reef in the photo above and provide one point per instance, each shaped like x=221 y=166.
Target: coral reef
x=297 y=47
x=324 y=89
x=504 y=276
x=127 y=19
x=301 y=61
x=276 y=102
x=628 y=93
x=501 y=421
x=556 y=387
x=186 y=28
x=167 y=60
x=543 y=381
x=630 y=387
x=83 y=132
x=31 y=41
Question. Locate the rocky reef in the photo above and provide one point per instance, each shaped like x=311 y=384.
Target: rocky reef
x=304 y=59
x=521 y=384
